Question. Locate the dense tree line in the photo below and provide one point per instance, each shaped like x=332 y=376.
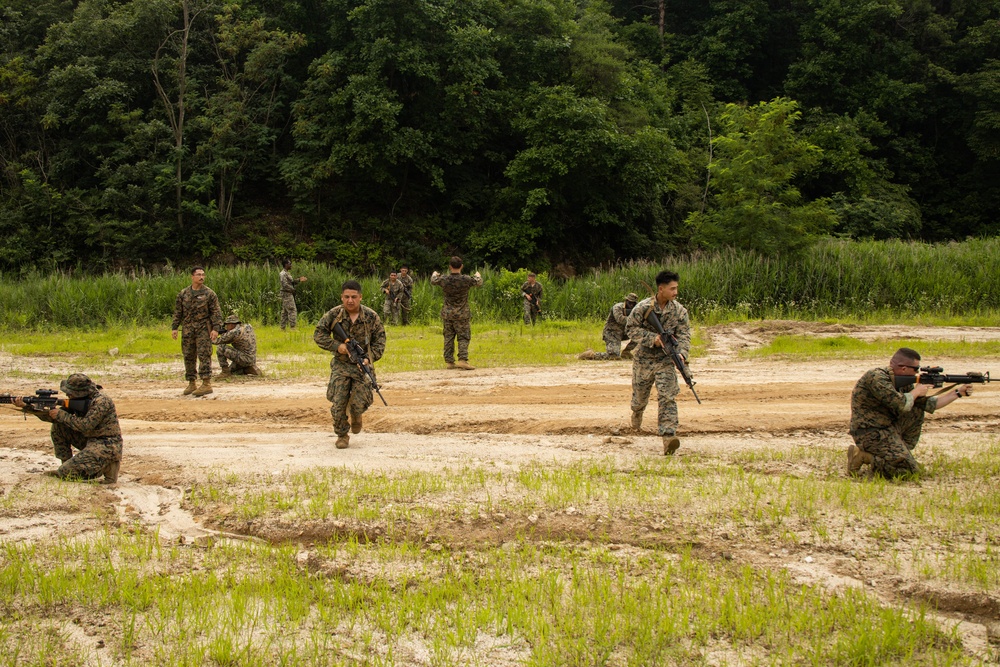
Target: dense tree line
x=518 y=132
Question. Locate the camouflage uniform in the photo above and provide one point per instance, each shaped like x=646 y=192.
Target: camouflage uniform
x=239 y=346
x=531 y=310
x=652 y=365
x=348 y=389
x=886 y=422
x=406 y=298
x=197 y=314
x=392 y=303
x=455 y=313
x=614 y=332
x=96 y=433
x=287 y=291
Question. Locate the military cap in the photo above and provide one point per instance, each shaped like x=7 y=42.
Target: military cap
x=233 y=319
x=632 y=297
x=77 y=384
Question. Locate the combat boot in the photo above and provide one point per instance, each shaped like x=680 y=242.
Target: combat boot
x=253 y=370
x=355 y=423
x=111 y=472
x=670 y=444
x=226 y=372
x=857 y=458
x=343 y=441
x=205 y=388
x=190 y=388
x=464 y=365
x=637 y=420
x=588 y=355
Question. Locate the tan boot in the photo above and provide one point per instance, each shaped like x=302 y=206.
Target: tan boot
x=343 y=441
x=857 y=458
x=588 y=355
x=205 y=388
x=637 y=420
x=464 y=365
x=253 y=370
x=190 y=388
x=226 y=373
x=670 y=444
x=356 y=423
x=111 y=473
x=450 y=365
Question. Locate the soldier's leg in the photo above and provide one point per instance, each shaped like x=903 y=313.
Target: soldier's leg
x=404 y=310
x=91 y=461
x=463 y=331
x=204 y=346
x=627 y=352
x=613 y=346
x=890 y=454
x=64 y=439
x=293 y=312
x=240 y=360
x=643 y=376
x=338 y=392
x=386 y=311
x=395 y=313
x=910 y=425
x=222 y=354
x=189 y=348
x=449 y=341
x=361 y=399
x=666 y=390
x=529 y=316
x=283 y=317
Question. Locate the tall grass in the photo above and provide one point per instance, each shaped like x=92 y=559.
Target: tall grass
x=836 y=279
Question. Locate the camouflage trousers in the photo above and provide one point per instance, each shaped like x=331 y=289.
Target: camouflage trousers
x=646 y=373
x=892 y=447
x=227 y=354
x=405 y=304
x=462 y=330
x=530 y=312
x=288 y=311
x=196 y=346
x=390 y=311
x=94 y=456
x=613 y=345
x=347 y=392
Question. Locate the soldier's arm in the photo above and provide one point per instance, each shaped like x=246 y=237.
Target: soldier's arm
x=477 y=280
x=618 y=312
x=881 y=387
x=227 y=337
x=178 y=311
x=636 y=330
x=435 y=278
x=376 y=347
x=96 y=414
x=323 y=335
x=214 y=311
x=683 y=332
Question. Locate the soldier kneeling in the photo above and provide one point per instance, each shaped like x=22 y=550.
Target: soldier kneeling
x=95 y=433
x=237 y=351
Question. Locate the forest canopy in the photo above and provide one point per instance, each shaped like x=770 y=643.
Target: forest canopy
x=516 y=132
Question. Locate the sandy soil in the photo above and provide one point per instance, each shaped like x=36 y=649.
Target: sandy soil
x=505 y=417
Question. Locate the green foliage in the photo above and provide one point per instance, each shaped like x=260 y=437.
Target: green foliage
x=756 y=204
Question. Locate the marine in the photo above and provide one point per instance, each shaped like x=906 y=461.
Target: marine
x=393 y=290
x=531 y=290
x=456 y=316
x=406 y=299
x=286 y=289
x=614 y=332
x=348 y=390
x=237 y=348
x=198 y=316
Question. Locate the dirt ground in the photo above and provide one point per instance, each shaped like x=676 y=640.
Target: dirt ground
x=505 y=417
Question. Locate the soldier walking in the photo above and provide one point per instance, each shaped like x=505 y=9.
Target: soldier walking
x=348 y=390
x=287 y=290
x=651 y=365
x=406 y=299
x=455 y=313
x=237 y=348
x=531 y=290
x=197 y=314
x=393 y=290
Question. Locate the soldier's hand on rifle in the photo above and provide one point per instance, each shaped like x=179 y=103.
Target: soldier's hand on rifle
x=18 y=402
x=919 y=390
x=173 y=334
x=658 y=342
x=342 y=348
x=213 y=334
x=52 y=413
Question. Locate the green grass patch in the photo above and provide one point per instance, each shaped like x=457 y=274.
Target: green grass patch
x=840 y=347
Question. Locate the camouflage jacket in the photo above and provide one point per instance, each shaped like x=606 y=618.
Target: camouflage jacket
x=456 y=288
x=395 y=289
x=101 y=420
x=407 y=282
x=534 y=290
x=194 y=310
x=615 y=324
x=287 y=282
x=367 y=330
x=674 y=318
x=876 y=403
x=240 y=337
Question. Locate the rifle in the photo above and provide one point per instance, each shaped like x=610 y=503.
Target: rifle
x=934 y=376
x=670 y=349
x=45 y=400
x=533 y=300
x=357 y=355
